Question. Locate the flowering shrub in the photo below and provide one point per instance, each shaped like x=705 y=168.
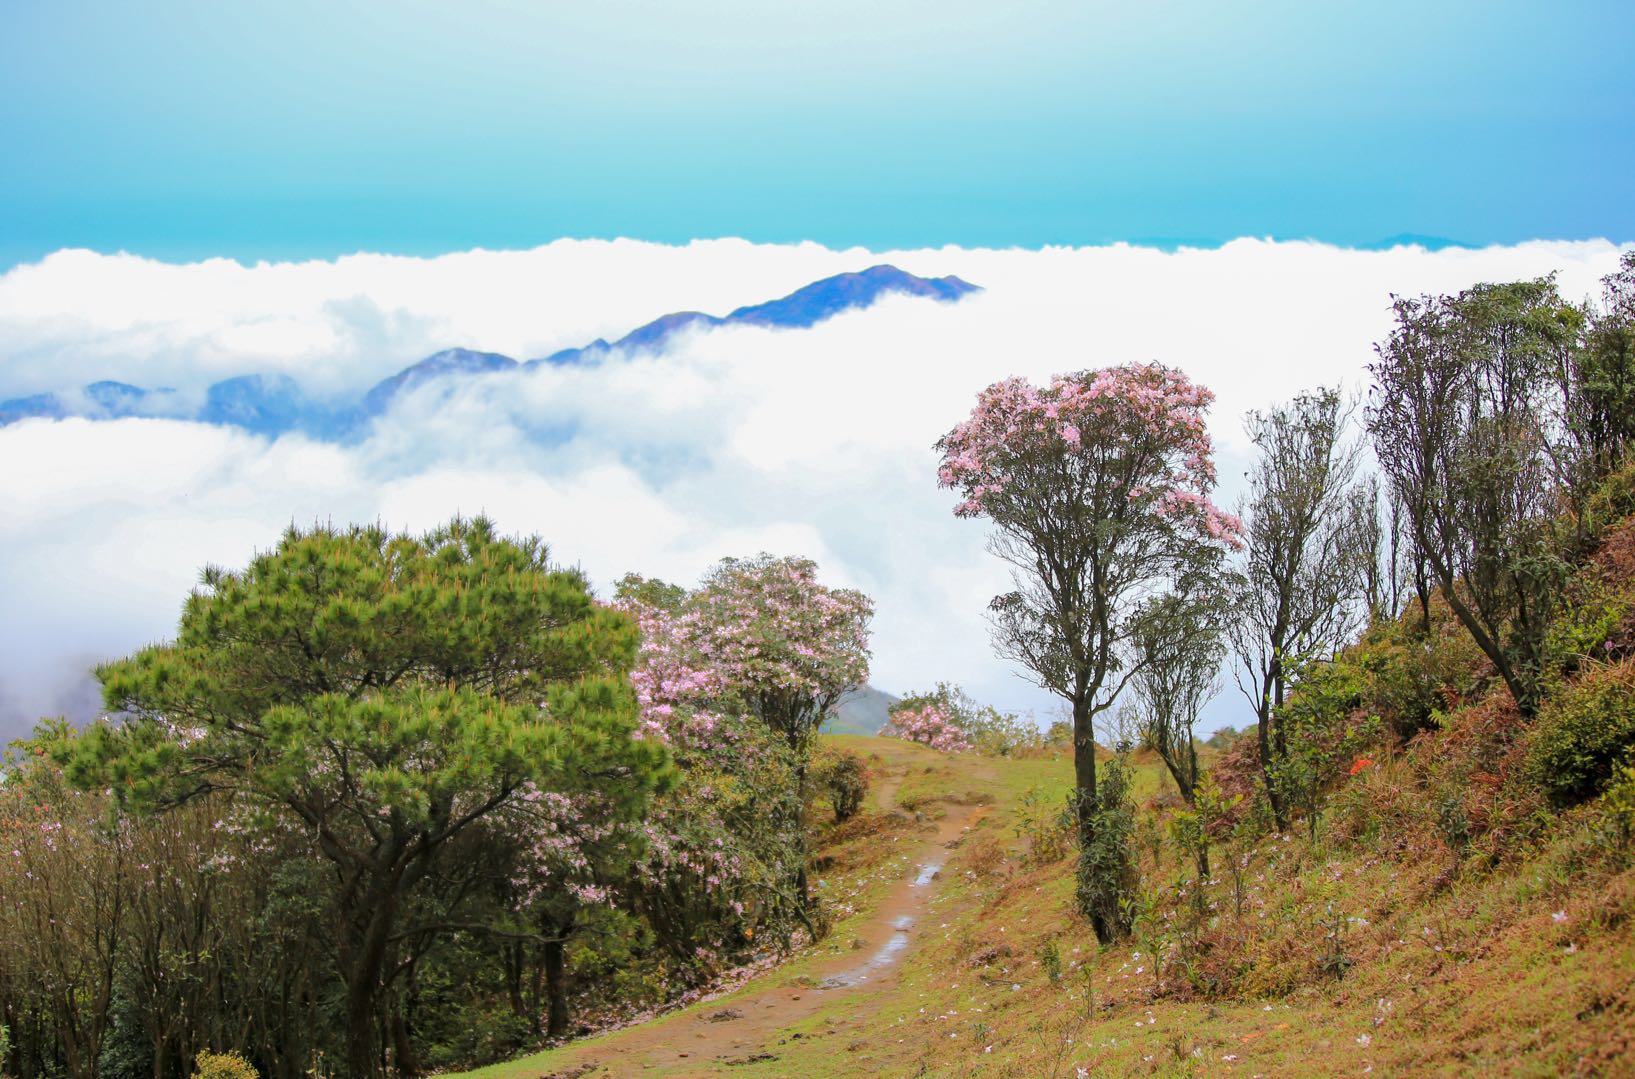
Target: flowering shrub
x=781 y=643
x=929 y=726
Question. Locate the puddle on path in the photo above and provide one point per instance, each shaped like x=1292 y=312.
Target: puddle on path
x=892 y=950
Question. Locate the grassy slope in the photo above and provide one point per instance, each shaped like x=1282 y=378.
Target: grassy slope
x=1347 y=957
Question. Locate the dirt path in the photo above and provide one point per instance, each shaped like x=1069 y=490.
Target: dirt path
x=747 y=1029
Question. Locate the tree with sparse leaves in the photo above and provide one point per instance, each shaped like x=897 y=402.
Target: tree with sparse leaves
x=1303 y=561
x=1473 y=425
x=1182 y=639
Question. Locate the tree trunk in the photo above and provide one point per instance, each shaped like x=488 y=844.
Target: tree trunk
x=1084 y=799
x=556 y=989
x=364 y=964
x=360 y=1028
x=803 y=892
x=1264 y=741
x=1084 y=769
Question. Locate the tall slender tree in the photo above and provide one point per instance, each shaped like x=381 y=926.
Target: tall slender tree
x=1182 y=639
x=1302 y=565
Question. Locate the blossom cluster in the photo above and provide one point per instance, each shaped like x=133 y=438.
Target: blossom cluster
x=768 y=627
x=1139 y=427
x=929 y=726
x=557 y=834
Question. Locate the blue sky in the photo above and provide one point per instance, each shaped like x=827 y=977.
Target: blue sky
x=295 y=129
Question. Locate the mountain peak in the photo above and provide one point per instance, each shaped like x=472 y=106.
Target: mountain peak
x=823 y=299
x=803 y=308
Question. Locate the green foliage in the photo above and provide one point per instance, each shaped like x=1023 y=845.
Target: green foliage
x=1108 y=880
x=1001 y=734
x=1045 y=824
x=1603 y=374
x=1619 y=806
x=380 y=696
x=840 y=775
x=1584 y=734
x=1050 y=958
x=1325 y=734
x=1195 y=827
x=1471 y=423
x=634 y=589
x=224 y=1066
x=1411 y=677
x=1595 y=610
x=1612 y=500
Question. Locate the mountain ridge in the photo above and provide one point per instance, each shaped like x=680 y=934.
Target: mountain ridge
x=274 y=404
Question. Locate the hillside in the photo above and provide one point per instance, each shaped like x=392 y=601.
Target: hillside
x=859 y=711
x=1344 y=956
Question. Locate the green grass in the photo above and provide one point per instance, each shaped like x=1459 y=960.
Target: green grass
x=1448 y=967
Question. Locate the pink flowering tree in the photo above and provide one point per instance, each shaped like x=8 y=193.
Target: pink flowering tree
x=715 y=861
x=1098 y=489
x=762 y=640
x=928 y=725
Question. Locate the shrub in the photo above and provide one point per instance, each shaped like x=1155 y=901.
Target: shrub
x=840 y=775
x=1045 y=824
x=1108 y=881
x=1050 y=958
x=1619 y=806
x=1584 y=734
x=1412 y=677
x=1611 y=502
x=1002 y=734
x=224 y=1066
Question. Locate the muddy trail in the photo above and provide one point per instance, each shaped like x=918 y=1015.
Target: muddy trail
x=752 y=1026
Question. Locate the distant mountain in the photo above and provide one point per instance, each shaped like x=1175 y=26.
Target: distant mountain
x=275 y=404
x=36 y=405
x=264 y=404
x=860 y=711
x=100 y=400
x=1414 y=239
x=444 y=364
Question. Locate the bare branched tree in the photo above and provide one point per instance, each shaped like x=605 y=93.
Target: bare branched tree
x=1302 y=567
x=1182 y=638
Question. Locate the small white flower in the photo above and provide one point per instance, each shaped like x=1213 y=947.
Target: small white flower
x=1365 y=1040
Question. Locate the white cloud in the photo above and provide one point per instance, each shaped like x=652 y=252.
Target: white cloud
x=814 y=442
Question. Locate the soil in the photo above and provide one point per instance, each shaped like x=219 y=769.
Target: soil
x=752 y=1028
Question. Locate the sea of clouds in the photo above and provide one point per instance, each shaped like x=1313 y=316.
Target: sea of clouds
x=814 y=442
